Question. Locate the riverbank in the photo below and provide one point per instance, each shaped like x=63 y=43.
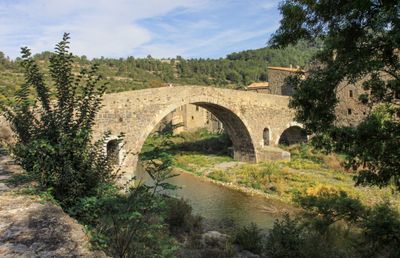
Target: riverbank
x=207 y=155
x=282 y=181
x=31 y=226
x=284 y=207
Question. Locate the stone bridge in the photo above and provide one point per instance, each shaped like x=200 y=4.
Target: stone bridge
x=255 y=122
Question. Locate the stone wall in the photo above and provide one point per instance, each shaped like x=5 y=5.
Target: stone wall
x=276 y=79
x=349 y=110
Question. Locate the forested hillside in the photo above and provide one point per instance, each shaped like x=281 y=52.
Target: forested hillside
x=236 y=70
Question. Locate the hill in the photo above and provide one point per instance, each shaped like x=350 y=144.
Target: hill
x=236 y=70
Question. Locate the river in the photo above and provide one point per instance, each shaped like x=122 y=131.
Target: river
x=215 y=202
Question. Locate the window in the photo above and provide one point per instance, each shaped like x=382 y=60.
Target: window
x=192 y=117
x=266 y=137
x=113 y=149
x=197 y=108
x=350 y=93
x=349 y=111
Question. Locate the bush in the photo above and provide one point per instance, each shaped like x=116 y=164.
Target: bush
x=131 y=225
x=250 y=238
x=179 y=217
x=54 y=138
x=285 y=239
x=381 y=231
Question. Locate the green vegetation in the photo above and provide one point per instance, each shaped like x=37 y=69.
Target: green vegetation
x=250 y=238
x=62 y=164
x=361 y=43
x=308 y=170
x=56 y=148
x=332 y=225
x=237 y=69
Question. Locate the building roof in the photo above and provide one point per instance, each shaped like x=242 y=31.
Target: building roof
x=258 y=85
x=286 y=69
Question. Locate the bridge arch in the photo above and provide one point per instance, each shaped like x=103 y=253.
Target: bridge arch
x=293 y=134
x=244 y=114
x=235 y=126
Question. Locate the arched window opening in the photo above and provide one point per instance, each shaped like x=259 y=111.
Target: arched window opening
x=266 y=136
x=113 y=151
x=293 y=135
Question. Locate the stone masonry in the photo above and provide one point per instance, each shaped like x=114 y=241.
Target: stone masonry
x=245 y=116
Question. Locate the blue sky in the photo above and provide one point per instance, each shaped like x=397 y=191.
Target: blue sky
x=121 y=28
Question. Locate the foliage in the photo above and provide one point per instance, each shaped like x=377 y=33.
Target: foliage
x=250 y=238
x=131 y=225
x=141 y=221
x=309 y=170
x=180 y=219
x=335 y=225
x=237 y=69
x=53 y=130
x=382 y=231
x=328 y=205
x=202 y=141
x=361 y=43
x=285 y=239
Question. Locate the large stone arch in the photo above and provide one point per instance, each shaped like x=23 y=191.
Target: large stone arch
x=245 y=115
x=235 y=126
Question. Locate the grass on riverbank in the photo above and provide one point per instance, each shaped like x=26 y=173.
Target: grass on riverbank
x=282 y=180
x=306 y=172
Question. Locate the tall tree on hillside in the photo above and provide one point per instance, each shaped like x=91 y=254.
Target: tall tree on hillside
x=361 y=41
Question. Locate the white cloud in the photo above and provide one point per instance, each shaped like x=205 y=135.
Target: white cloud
x=270 y=4
x=97 y=27
x=118 y=28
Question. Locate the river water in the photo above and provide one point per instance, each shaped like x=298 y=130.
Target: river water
x=219 y=203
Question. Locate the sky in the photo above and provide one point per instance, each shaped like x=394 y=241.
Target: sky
x=122 y=28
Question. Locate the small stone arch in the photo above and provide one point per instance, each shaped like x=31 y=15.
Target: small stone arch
x=113 y=149
x=294 y=134
x=266 y=136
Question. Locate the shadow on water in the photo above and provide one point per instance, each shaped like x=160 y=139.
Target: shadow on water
x=218 y=203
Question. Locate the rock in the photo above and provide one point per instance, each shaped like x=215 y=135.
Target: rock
x=214 y=239
x=3 y=187
x=246 y=254
x=30 y=227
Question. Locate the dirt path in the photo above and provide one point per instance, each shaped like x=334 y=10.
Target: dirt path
x=30 y=227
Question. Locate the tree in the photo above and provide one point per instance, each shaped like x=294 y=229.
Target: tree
x=361 y=41
x=53 y=130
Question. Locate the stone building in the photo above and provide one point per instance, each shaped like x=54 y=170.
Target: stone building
x=349 y=110
x=190 y=118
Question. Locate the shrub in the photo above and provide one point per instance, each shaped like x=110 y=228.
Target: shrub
x=328 y=205
x=131 y=225
x=286 y=239
x=250 y=238
x=179 y=217
x=54 y=138
x=381 y=230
